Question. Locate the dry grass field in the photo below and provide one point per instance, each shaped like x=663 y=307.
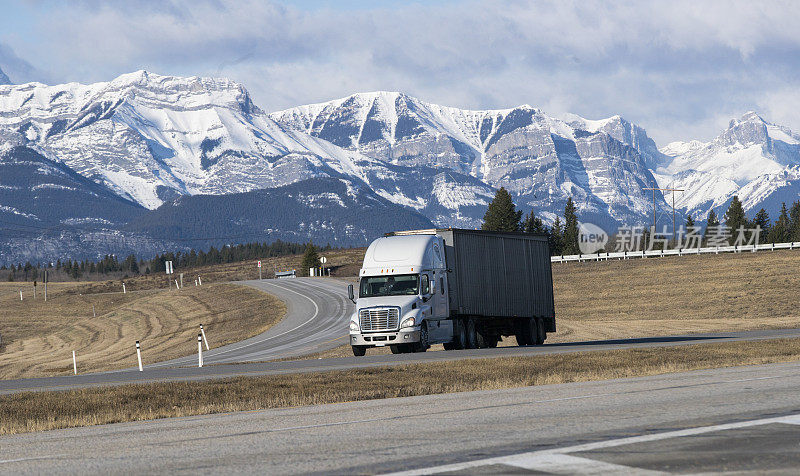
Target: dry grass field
x=37 y=411
x=39 y=336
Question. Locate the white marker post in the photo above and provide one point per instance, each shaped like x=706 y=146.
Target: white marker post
x=259 y=270
x=20 y=294
x=139 y=355
x=94 y=313
x=195 y=283
x=123 y=289
x=199 y=280
x=176 y=284
x=199 y=350
x=74 y=363
x=204 y=335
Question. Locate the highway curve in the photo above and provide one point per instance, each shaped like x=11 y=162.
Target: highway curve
x=317 y=315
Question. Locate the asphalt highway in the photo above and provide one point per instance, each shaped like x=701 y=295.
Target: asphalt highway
x=318 y=312
x=742 y=419
x=317 y=316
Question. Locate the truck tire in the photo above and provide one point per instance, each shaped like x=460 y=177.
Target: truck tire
x=459 y=336
x=396 y=349
x=521 y=334
x=472 y=334
x=541 y=335
x=359 y=350
x=423 y=344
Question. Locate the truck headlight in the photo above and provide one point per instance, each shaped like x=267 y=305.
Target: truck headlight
x=354 y=326
x=410 y=322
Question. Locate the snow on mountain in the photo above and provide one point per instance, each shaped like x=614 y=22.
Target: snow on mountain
x=752 y=158
x=4 y=78
x=151 y=138
x=543 y=160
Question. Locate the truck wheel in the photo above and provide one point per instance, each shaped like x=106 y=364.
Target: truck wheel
x=423 y=344
x=396 y=349
x=472 y=334
x=460 y=334
x=522 y=338
x=492 y=342
x=359 y=350
x=541 y=335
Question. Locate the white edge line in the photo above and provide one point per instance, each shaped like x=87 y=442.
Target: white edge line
x=528 y=457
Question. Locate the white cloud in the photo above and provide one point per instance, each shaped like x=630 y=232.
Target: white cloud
x=673 y=67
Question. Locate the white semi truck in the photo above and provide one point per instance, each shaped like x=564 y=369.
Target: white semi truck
x=465 y=289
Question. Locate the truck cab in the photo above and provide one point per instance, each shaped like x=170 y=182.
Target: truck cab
x=402 y=295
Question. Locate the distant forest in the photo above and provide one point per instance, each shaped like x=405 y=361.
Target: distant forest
x=111 y=267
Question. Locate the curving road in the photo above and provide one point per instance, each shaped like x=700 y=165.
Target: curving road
x=317 y=316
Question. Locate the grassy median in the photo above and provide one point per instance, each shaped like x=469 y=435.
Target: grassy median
x=37 y=411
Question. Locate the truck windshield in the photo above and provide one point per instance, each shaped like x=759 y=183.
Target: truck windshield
x=397 y=285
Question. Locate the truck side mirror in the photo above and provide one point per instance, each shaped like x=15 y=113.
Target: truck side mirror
x=350 y=293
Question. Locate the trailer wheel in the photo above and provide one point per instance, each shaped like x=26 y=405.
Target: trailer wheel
x=522 y=334
x=359 y=350
x=492 y=342
x=541 y=335
x=472 y=334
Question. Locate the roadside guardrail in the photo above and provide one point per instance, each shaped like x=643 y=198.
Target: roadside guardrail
x=622 y=255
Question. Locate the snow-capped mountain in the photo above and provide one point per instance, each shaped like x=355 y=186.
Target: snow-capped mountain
x=4 y=78
x=151 y=138
x=752 y=158
x=543 y=160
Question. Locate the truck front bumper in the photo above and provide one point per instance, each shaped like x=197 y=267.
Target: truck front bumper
x=380 y=339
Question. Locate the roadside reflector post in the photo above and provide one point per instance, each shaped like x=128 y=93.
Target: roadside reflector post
x=199 y=280
x=20 y=294
x=195 y=283
x=176 y=284
x=139 y=355
x=74 y=363
x=203 y=332
x=199 y=350
x=123 y=289
x=94 y=313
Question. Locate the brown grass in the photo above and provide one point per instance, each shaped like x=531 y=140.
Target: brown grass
x=36 y=411
x=40 y=336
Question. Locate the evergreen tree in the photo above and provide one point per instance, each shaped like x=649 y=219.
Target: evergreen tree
x=711 y=222
x=735 y=218
x=794 y=217
x=570 y=240
x=310 y=259
x=502 y=214
x=762 y=220
x=557 y=238
x=533 y=224
x=779 y=233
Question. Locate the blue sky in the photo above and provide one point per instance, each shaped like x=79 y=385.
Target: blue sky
x=681 y=69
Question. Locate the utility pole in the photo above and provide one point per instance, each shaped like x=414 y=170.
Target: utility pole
x=673 y=190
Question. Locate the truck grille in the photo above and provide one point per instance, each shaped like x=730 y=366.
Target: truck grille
x=379 y=319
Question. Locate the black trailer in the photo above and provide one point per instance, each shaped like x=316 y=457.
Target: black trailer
x=499 y=284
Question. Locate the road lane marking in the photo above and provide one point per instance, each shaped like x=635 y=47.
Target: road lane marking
x=532 y=459
x=226 y=351
x=31 y=458
x=568 y=464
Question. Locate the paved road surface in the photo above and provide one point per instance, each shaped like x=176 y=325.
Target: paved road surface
x=317 y=317
x=735 y=419
x=156 y=373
